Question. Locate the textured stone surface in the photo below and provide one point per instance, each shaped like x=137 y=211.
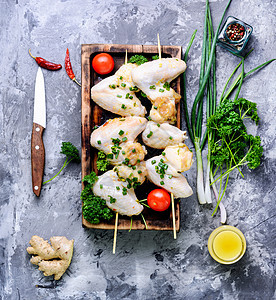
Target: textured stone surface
x=147 y=265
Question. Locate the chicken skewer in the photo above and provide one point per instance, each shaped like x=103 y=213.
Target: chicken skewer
x=117 y=214
x=166 y=170
x=116 y=93
x=170 y=138
x=154 y=78
x=116 y=138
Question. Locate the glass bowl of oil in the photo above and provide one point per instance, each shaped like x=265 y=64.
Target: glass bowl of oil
x=227 y=244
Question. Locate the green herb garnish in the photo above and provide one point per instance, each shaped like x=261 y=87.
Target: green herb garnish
x=150 y=134
x=102 y=161
x=72 y=154
x=138 y=59
x=94 y=208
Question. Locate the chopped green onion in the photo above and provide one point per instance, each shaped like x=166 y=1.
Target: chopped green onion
x=150 y=134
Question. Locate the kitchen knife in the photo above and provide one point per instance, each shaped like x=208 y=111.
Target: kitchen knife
x=39 y=124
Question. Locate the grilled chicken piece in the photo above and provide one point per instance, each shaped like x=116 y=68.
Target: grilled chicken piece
x=153 y=79
x=157 y=73
x=134 y=175
x=163 y=110
x=117 y=137
x=165 y=171
x=117 y=93
x=160 y=136
x=179 y=156
x=116 y=194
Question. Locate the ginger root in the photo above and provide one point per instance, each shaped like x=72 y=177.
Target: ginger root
x=52 y=259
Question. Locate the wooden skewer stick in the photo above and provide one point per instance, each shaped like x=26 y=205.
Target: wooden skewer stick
x=159 y=46
x=173 y=216
x=115 y=233
x=126 y=57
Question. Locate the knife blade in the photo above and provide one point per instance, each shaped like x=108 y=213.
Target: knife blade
x=39 y=124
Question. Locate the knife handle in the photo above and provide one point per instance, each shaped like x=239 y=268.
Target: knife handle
x=38 y=157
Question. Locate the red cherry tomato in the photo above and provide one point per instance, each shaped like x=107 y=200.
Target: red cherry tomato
x=159 y=200
x=103 y=63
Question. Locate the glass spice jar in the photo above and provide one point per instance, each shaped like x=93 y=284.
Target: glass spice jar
x=234 y=35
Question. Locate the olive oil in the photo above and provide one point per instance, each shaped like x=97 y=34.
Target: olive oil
x=226 y=244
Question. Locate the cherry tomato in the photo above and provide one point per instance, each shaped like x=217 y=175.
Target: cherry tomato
x=159 y=200
x=103 y=63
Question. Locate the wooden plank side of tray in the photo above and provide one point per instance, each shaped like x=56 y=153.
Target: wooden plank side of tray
x=91 y=115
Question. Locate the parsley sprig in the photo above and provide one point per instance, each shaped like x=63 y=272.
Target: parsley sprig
x=231 y=146
x=94 y=208
x=72 y=154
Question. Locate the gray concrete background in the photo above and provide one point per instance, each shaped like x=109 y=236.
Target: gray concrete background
x=147 y=265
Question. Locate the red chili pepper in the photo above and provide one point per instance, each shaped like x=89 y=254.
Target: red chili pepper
x=43 y=63
x=68 y=67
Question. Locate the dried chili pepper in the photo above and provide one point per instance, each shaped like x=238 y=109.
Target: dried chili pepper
x=43 y=63
x=68 y=67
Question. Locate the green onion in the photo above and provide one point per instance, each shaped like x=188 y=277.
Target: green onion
x=150 y=134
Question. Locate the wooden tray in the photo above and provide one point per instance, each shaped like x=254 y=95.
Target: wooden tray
x=92 y=114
